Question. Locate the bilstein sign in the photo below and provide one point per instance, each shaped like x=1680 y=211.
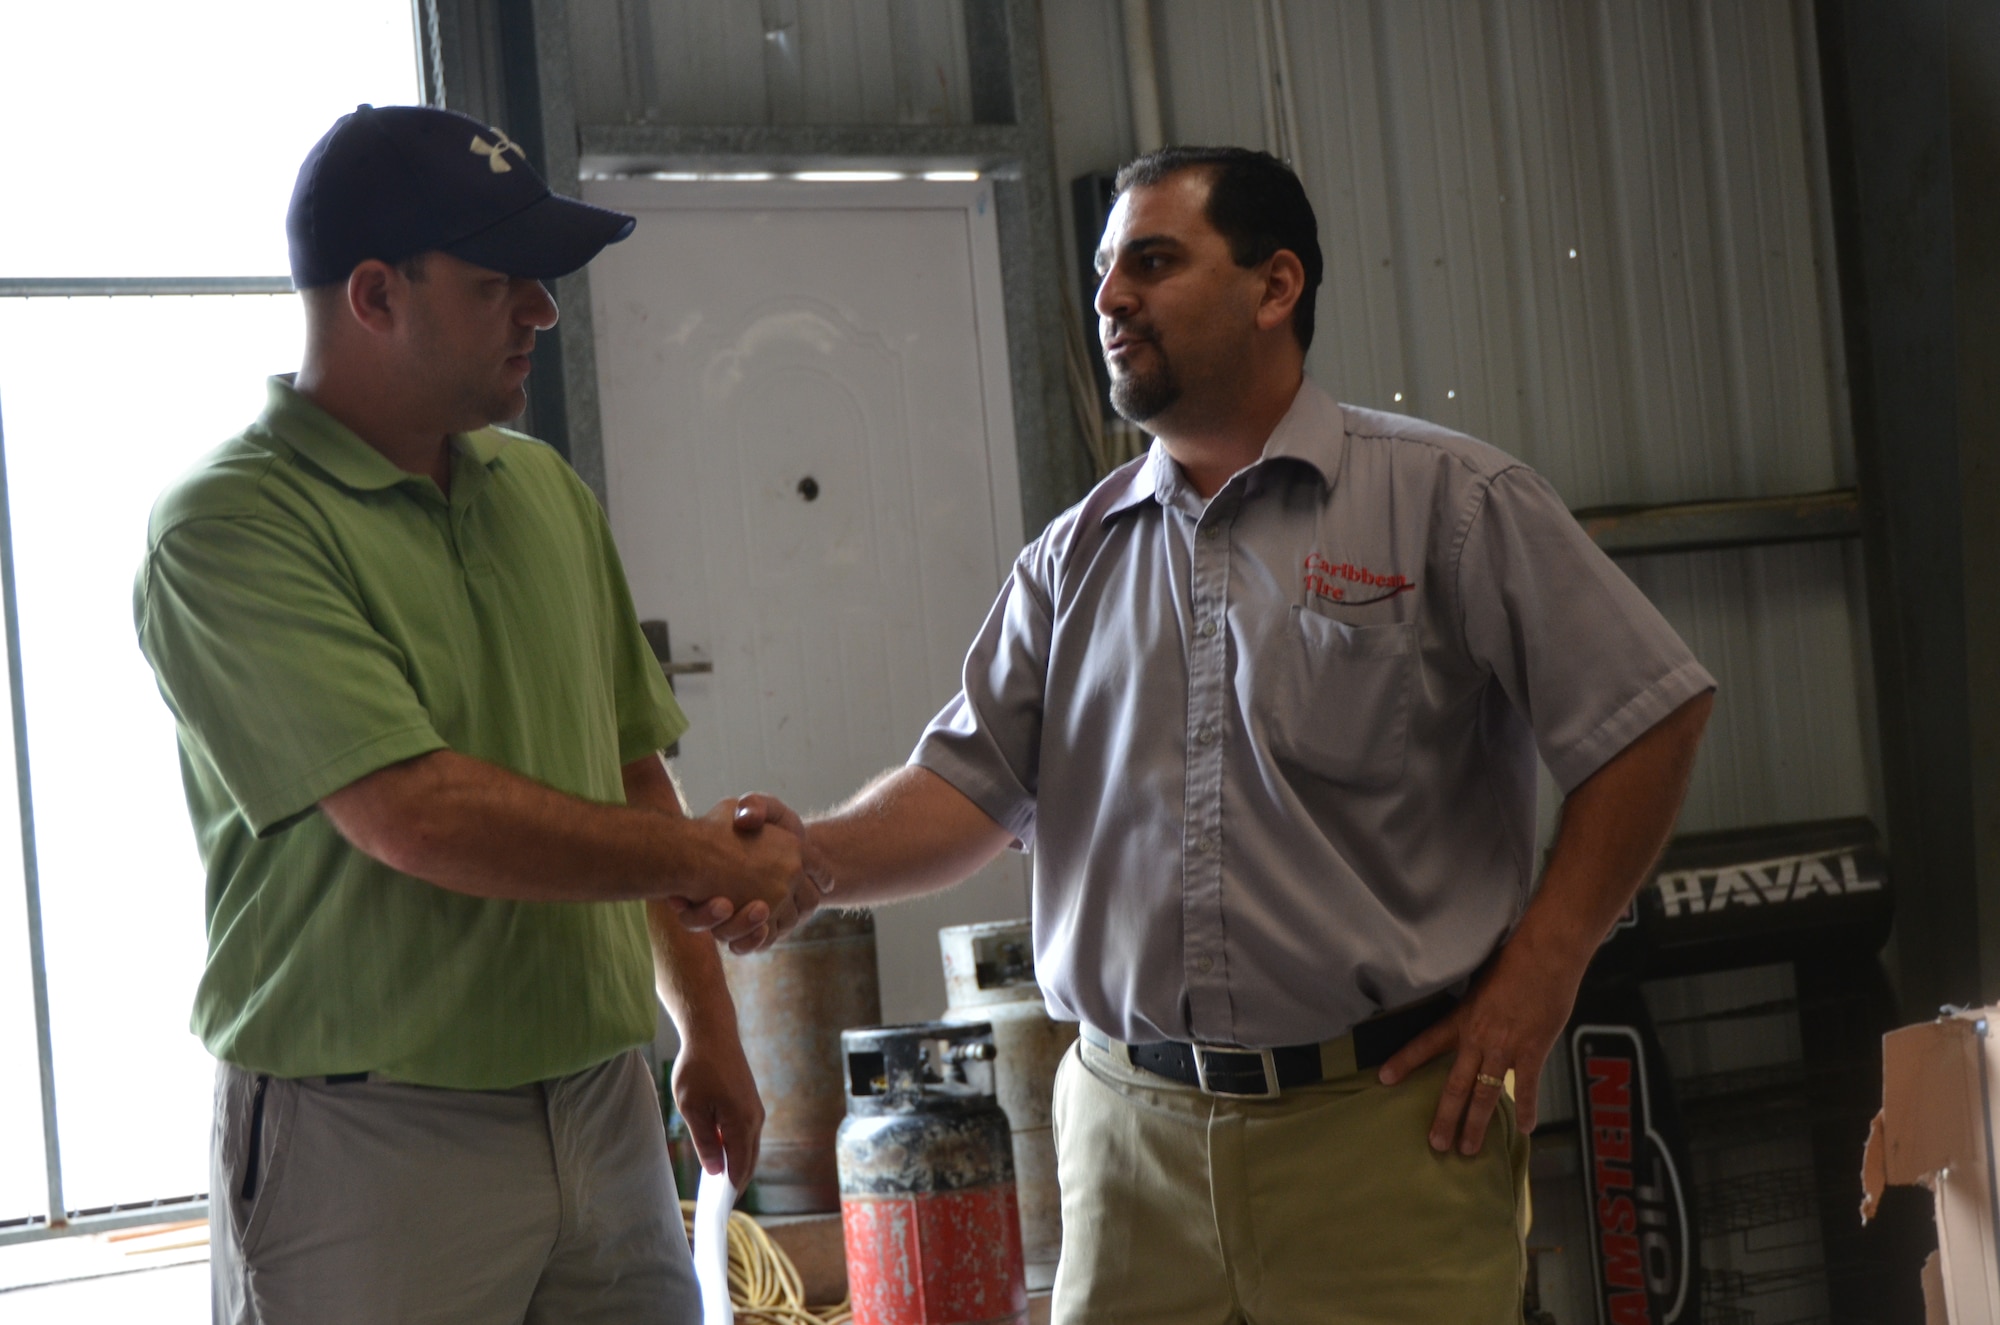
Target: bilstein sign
x=1638 y=1209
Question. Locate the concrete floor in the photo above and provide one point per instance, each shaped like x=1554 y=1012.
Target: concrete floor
x=113 y=1293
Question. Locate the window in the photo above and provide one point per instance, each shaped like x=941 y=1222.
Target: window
x=148 y=177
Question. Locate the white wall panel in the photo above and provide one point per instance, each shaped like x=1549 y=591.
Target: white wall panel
x=699 y=62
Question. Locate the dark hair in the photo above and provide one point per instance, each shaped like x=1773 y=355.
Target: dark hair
x=1255 y=202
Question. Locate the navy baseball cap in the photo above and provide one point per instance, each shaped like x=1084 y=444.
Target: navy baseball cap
x=391 y=182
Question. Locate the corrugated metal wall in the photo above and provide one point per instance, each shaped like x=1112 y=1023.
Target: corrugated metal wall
x=1592 y=234
x=770 y=62
x=1586 y=232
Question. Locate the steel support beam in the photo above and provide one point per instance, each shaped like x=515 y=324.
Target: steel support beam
x=38 y=969
x=1885 y=74
x=1055 y=464
x=1975 y=174
x=89 y=287
x=507 y=62
x=1703 y=526
x=626 y=149
x=109 y=1220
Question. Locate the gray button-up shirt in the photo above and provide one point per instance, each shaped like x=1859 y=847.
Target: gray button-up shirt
x=1275 y=754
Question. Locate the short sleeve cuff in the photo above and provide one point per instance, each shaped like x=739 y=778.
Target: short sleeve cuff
x=1002 y=801
x=1639 y=715
x=270 y=810
x=651 y=720
x=650 y=738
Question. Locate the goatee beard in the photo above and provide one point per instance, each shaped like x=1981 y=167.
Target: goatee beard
x=1142 y=396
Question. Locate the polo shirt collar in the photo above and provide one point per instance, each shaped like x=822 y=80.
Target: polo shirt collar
x=335 y=448
x=484 y=446
x=1314 y=430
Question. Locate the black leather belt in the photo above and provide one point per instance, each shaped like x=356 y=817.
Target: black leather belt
x=1266 y=1072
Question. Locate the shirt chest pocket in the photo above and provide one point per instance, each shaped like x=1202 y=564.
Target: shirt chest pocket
x=1326 y=698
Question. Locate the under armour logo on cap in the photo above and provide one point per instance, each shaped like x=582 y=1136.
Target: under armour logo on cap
x=389 y=182
x=496 y=153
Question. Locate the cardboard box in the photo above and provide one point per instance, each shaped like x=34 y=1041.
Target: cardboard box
x=1940 y=1083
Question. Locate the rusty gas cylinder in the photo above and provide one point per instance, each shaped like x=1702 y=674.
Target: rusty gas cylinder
x=989 y=975
x=792 y=1001
x=927 y=1180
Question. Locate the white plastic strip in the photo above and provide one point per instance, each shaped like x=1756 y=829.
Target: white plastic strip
x=712 y=1204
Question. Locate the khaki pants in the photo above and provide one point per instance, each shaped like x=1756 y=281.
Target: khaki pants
x=1326 y=1205
x=377 y=1203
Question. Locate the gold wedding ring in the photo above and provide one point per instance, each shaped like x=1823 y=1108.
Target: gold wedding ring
x=1486 y=1080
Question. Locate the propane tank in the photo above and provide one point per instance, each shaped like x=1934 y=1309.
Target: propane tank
x=989 y=975
x=927 y=1180
x=792 y=1002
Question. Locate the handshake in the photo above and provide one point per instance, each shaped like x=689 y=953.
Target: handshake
x=769 y=875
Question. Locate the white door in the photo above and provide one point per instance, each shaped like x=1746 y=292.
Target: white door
x=809 y=456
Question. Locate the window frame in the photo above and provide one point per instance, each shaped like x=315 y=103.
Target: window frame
x=57 y=1220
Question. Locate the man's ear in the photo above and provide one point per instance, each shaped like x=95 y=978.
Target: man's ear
x=1284 y=282
x=374 y=295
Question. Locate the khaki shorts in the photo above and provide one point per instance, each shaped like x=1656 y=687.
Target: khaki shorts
x=1325 y=1205
x=374 y=1203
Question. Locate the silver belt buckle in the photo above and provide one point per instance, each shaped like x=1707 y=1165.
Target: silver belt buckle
x=1270 y=1091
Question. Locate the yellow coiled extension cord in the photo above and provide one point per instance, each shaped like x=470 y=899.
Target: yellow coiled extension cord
x=763 y=1283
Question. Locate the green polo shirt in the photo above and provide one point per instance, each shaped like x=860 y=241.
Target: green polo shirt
x=312 y=613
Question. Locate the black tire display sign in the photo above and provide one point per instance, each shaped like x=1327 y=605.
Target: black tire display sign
x=1635 y=1182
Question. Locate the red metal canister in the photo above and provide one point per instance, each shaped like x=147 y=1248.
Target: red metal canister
x=927 y=1180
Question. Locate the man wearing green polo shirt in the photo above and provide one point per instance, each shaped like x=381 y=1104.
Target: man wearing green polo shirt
x=420 y=735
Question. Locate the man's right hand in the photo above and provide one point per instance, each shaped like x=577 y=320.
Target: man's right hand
x=773 y=892
x=907 y=833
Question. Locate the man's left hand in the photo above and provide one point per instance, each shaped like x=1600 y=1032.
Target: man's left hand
x=1508 y=1023
x=1613 y=825
x=717 y=1096
x=749 y=933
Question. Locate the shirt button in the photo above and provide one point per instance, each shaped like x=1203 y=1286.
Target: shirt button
x=1206 y=735
x=1205 y=845
x=1205 y=965
x=1208 y=630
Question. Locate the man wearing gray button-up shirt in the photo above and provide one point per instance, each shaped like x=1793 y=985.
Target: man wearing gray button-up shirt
x=1266 y=706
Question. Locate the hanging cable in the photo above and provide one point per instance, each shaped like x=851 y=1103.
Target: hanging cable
x=1084 y=401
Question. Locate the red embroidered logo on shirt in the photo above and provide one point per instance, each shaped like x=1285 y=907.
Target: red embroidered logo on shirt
x=1340 y=581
